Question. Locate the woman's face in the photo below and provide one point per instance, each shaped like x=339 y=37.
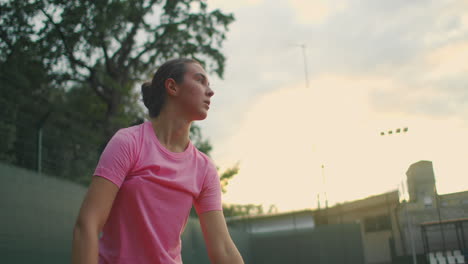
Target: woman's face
x=195 y=93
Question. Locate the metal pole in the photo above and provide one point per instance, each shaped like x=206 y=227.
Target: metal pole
x=462 y=235
x=303 y=46
x=39 y=150
x=40 y=125
x=440 y=221
x=413 y=251
x=318 y=201
x=325 y=194
x=458 y=234
x=424 y=238
x=324 y=187
x=296 y=243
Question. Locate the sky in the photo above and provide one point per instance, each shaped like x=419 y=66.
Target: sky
x=372 y=66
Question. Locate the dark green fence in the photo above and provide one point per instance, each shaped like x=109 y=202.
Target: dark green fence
x=38 y=213
x=193 y=245
x=321 y=245
x=55 y=144
x=37 y=216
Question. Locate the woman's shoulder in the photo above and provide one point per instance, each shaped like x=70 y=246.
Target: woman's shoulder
x=207 y=160
x=134 y=130
x=130 y=136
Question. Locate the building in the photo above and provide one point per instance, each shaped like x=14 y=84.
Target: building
x=426 y=208
x=378 y=218
x=274 y=222
x=391 y=228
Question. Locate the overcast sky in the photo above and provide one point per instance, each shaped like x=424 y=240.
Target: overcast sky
x=372 y=66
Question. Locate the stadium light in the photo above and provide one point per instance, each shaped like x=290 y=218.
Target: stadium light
x=397 y=131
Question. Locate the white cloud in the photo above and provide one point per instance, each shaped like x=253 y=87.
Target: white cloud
x=447 y=61
x=315 y=11
x=373 y=65
x=231 y=5
x=289 y=133
x=450 y=23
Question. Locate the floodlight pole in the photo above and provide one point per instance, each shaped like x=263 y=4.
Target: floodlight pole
x=440 y=220
x=40 y=125
x=413 y=250
x=304 y=47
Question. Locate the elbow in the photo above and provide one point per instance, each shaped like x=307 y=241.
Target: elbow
x=228 y=259
x=86 y=226
x=229 y=255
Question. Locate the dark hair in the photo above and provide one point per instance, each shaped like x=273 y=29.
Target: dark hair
x=154 y=92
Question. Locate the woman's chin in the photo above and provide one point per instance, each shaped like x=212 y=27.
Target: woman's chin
x=201 y=116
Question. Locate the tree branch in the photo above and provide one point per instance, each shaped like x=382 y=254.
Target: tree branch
x=69 y=52
x=127 y=44
x=153 y=45
x=94 y=83
x=102 y=46
x=149 y=6
x=6 y=40
x=134 y=60
x=106 y=56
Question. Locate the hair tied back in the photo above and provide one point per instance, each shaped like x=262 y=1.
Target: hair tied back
x=146 y=93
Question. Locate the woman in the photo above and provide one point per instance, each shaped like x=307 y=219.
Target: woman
x=149 y=176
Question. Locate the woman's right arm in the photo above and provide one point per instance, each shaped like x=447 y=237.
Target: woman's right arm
x=92 y=217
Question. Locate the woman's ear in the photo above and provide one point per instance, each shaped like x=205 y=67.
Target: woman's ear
x=171 y=87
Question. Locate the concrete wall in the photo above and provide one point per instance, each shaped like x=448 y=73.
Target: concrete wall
x=376 y=244
x=273 y=223
x=377 y=249
x=417 y=215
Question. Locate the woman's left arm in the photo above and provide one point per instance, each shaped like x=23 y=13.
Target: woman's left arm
x=221 y=248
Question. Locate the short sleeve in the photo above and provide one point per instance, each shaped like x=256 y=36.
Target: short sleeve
x=117 y=159
x=209 y=198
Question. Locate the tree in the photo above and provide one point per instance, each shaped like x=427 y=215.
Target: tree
x=227 y=175
x=24 y=94
x=83 y=60
x=242 y=210
x=204 y=146
x=109 y=46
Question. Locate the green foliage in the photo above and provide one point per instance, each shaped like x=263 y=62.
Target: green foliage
x=242 y=210
x=204 y=146
x=110 y=46
x=24 y=97
x=71 y=68
x=227 y=175
x=200 y=143
x=246 y=209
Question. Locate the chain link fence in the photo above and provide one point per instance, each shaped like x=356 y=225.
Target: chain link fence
x=53 y=143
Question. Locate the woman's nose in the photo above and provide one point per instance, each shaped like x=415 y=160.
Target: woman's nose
x=210 y=92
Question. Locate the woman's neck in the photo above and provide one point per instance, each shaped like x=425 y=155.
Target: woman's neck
x=171 y=131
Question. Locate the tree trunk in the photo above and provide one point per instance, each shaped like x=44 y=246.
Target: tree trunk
x=110 y=122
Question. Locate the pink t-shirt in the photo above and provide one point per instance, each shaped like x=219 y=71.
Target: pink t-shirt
x=157 y=190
